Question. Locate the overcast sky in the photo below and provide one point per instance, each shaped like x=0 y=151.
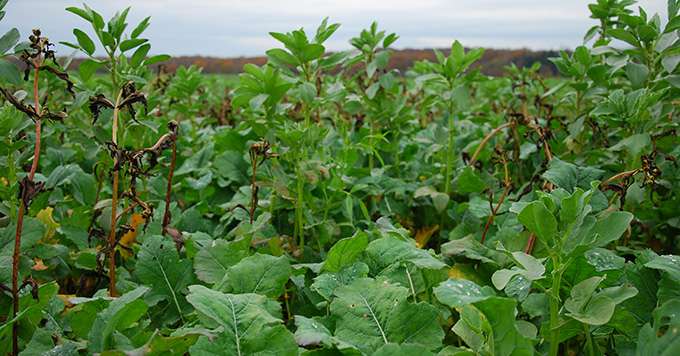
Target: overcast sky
x=230 y=28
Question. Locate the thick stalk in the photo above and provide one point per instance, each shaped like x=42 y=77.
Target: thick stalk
x=22 y=211
x=114 y=204
x=590 y=351
x=555 y=307
x=299 y=219
x=168 y=192
x=299 y=222
x=448 y=160
x=449 y=155
x=370 y=144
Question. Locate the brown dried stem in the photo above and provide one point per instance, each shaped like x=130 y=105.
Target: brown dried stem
x=485 y=140
x=114 y=202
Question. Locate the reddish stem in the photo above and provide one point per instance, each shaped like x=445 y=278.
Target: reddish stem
x=22 y=211
x=168 y=192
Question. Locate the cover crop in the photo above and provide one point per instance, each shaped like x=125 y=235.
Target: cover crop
x=326 y=204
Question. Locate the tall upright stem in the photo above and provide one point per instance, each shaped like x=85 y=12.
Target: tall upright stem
x=22 y=211
x=554 y=307
x=114 y=204
x=168 y=192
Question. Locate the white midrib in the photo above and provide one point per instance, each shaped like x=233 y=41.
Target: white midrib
x=172 y=291
x=382 y=333
x=236 y=337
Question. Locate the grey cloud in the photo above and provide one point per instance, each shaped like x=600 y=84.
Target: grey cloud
x=233 y=28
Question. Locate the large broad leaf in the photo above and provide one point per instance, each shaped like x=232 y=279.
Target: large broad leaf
x=261 y=274
x=589 y=307
x=387 y=251
x=212 y=261
x=528 y=267
x=402 y=350
x=669 y=285
x=371 y=313
x=247 y=324
x=159 y=266
x=507 y=338
x=610 y=228
x=345 y=252
x=29 y=316
x=662 y=337
x=489 y=327
x=326 y=283
x=539 y=220
x=121 y=313
x=569 y=176
x=470 y=248
x=458 y=292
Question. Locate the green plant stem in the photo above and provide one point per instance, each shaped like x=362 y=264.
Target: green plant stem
x=370 y=144
x=589 y=341
x=554 y=307
x=299 y=205
x=449 y=154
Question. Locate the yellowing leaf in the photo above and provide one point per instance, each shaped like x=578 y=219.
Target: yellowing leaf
x=423 y=235
x=130 y=237
x=39 y=265
x=66 y=299
x=45 y=217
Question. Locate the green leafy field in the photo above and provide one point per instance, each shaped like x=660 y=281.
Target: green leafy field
x=325 y=204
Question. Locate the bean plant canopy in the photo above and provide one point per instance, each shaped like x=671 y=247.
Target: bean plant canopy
x=326 y=203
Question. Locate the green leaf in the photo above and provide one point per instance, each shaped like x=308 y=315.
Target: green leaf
x=159 y=266
x=610 y=228
x=662 y=336
x=131 y=43
x=470 y=182
x=261 y=274
x=30 y=313
x=470 y=248
x=386 y=251
x=345 y=252
x=156 y=59
x=139 y=55
x=625 y=36
x=326 y=283
x=84 y=41
x=121 y=313
x=140 y=27
x=569 y=176
x=87 y=68
x=604 y=260
x=283 y=57
x=593 y=308
x=539 y=220
x=311 y=52
x=311 y=332
x=371 y=313
x=637 y=74
x=80 y=12
x=402 y=350
x=456 y=293
x=212 y=261
x=247 y=324
x=507 y=339
x=8 y=40
x=9 y=72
